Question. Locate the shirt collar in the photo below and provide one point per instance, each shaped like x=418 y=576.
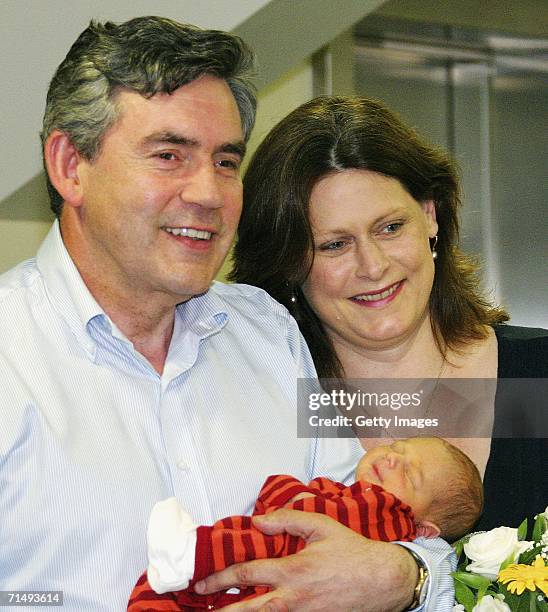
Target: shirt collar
x=203 y=315
x=65 y=287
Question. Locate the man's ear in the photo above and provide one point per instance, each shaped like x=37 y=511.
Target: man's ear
x=62 y=159
x=427 y=529
x=429 y=210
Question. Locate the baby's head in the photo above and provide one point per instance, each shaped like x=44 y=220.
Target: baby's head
x=439 y=482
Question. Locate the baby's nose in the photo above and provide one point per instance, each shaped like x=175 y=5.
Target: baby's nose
x=392 y=460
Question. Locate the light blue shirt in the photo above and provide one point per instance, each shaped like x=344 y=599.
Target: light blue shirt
x=92 y=436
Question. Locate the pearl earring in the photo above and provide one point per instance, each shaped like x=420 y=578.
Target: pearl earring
x=293 y=297
x=433 y=247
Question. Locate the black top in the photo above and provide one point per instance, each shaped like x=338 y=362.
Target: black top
x=516 y=476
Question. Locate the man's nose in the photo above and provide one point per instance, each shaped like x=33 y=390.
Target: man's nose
x=203 y=187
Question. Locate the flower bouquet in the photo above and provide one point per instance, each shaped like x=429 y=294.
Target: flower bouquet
x=501 y=571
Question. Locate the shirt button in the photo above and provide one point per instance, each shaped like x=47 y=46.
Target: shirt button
x=183 y=465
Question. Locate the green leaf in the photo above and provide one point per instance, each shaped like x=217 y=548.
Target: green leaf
x=529 y=556
x=458 y=547
x=522 y=530
x=472 y=580
x=482 y=591
x=508 y=561
x=539 y=527
x=526 y=557
x=536 y=600
x=522 y=605
x=542 y=605
x=464 y=596
x=514 y=602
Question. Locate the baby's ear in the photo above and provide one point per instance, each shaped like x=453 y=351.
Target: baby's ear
x=427 y=529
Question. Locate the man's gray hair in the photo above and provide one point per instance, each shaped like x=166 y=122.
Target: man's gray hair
x=147 y=55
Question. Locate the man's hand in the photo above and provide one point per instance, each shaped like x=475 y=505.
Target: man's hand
x=337 y=570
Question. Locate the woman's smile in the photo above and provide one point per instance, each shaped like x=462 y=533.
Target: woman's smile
x=380 y=298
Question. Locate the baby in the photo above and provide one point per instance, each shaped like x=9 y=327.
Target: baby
x=415 y=487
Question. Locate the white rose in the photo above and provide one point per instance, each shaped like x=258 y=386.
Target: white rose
x=491 y=604
x=488 y=550
x=457 y=607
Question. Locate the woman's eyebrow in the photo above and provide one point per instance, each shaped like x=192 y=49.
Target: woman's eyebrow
x=329 y=231
x=396 y=212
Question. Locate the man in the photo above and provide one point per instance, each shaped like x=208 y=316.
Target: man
x=126 y=377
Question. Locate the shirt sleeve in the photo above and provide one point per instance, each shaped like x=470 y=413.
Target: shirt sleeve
x=330 y=456
x=440 y=560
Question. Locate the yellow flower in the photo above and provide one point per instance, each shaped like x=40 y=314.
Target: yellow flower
x=523 y=577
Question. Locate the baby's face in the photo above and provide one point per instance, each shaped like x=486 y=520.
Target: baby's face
x=413 y=470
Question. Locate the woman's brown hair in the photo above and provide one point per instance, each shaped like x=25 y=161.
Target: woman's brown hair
x=275 y=244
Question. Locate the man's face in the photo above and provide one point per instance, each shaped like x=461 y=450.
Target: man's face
x=162 y=200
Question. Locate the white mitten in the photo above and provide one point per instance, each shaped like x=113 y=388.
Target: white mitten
x=171 y=538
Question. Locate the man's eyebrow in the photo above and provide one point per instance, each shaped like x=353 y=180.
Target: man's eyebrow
x=170 y=138
x=238 y=148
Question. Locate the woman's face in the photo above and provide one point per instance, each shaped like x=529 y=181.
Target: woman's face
x=373 y=269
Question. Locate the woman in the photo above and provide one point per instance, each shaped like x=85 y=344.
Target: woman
x=350 y=220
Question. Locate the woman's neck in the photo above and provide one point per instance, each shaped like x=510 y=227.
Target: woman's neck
x=419 y=356
x=416 y=356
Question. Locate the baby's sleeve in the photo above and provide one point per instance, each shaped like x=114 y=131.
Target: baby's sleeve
x=277 y=491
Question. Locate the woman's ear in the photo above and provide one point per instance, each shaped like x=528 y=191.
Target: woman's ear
x=62 y=159
x=427 y=529
x=429 y=210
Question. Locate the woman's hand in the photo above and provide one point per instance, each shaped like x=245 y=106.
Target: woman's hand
x=337 y=570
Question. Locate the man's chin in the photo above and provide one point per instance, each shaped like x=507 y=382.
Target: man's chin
x=186 y=292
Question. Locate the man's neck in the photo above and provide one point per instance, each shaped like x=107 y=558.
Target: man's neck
x=150 y=335
x=147 y=323
x=146 y=318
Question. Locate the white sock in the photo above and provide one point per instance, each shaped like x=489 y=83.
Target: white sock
x=171 y=539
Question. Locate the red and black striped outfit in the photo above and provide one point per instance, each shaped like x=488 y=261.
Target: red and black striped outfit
x=364 y=507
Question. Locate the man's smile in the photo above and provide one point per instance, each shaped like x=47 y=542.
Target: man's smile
x=189 y=232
